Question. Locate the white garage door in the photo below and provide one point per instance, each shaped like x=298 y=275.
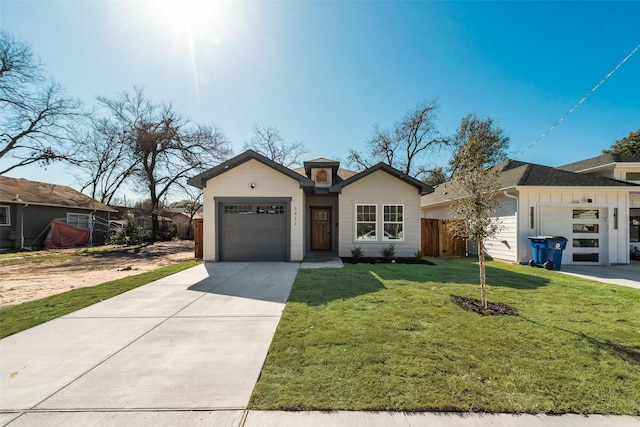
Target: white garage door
x=253 y=231
x=584 y=228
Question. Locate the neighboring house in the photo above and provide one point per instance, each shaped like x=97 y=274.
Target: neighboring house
x=592 y=210
x=182 y=221
x=256 y=209
x=623 y=168
x=28 y=207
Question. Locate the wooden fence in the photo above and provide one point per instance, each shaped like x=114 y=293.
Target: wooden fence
x=438 y=241
x=198 y=237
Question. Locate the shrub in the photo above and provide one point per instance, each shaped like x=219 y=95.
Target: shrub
x=388 y=252
x=357 y=253
x=418 y=254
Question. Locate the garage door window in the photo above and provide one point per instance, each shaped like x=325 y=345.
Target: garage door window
x=586 y=214
x=586 y=240
x=238 y=209
x=270 y=210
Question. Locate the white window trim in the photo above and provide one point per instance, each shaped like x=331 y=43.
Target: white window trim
x=8 y=223
x=356 y=222
x=385 y=238
x=78 y=215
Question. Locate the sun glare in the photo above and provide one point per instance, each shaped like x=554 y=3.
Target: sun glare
x=196 y=20
x=183 y=31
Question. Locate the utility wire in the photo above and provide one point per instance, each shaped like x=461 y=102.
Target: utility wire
x=584 y=98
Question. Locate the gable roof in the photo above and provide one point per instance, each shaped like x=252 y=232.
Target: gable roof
x=20 y=190
x=607 y=159
x=341 y=172
x=421 y=186
x=514 y=173
x=200 y=180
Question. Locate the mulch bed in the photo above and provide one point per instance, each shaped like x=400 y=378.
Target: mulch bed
x=475 y=305
x=370 y=260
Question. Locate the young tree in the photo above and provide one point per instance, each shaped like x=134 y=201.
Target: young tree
x=406 y=145
x=36 y=120
x=165 y=148
x=475 y=184
x=629 y=145
x=269 y=142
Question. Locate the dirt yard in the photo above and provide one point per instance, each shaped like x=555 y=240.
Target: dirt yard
x=27 y=276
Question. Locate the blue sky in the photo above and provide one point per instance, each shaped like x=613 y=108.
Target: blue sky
x=325 y=73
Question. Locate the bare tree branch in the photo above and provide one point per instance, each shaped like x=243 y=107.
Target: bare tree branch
x=406 y=145
x=37 y=122
x=269 y=142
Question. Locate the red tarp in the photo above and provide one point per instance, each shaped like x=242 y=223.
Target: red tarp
x=62 y=235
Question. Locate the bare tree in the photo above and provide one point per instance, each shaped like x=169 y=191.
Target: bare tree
x=165 y=147
x=36 y=121
x=407 y=144
x=476 y=188
x=269 y=142
x=103 y=161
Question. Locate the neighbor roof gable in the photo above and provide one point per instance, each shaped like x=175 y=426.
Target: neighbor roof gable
x=201 y=179
x=606 y=159
x=422 y=187
x=20 y=190
x=514 y=173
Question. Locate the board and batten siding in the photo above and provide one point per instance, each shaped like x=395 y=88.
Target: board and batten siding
x=504 y=245
x=616 y=232
x=235 y=183
x=379 y=188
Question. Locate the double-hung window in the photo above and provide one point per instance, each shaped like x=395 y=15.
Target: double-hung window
x=366 y=221
x=5 y=218
x=393 y=222
x=79 y=220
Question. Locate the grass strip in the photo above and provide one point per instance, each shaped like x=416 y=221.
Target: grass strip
x=389 y=337
x=16 y=318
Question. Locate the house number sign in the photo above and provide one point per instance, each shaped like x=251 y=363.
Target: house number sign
x=295 y=215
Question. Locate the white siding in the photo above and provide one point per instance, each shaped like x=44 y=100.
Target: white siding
x=614 y=245
x=504 y=245
x=268 y=183
x=614 y=234
x=379 y=188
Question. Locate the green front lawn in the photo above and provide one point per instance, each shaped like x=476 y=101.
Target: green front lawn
x=388 y=337
x=16 y=318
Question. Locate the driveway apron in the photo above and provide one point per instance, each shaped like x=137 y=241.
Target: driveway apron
x=195 y=340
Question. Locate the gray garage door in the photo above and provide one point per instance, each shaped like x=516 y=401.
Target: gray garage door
x=253 y=232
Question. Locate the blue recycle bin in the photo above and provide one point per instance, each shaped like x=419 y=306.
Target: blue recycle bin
x=547 y=251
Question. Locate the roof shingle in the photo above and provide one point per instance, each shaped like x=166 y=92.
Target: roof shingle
x=41 y=193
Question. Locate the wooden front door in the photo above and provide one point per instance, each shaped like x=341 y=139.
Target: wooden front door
x=320 y=229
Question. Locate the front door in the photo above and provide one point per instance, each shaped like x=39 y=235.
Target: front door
x=320 y=229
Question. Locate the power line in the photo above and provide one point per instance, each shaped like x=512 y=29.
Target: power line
x=584 y=98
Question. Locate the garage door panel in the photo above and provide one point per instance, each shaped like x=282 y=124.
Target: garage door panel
x=253 y=232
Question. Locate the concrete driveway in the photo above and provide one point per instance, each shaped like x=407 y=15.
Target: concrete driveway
x=184 y=350
x=625 y=275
